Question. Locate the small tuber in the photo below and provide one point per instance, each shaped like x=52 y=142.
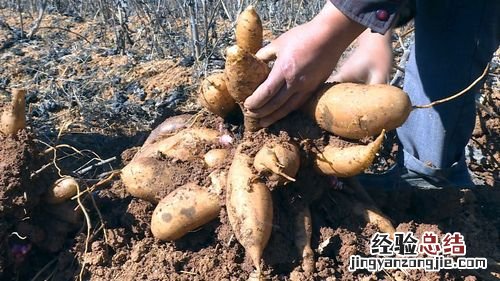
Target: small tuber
x=279 y=162
x=215 y=157
x=63 y=189
x=349 y=161
x=13 y=118
x=214 y=95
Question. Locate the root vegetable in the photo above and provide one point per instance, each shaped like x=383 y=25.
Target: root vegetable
x=183 y=210
x=183 y=146
x=249 y=207
x=13 y=118
x=147 y=178
x=168 y=127
x=349 y=161
x=303 y=233
x=214 y=95
x=280 y=162
x=63 y=189
x=373 y=215
x=248 y=31
x=218 y=180
x=356 y=111
x=215 y=157
x=244 y=74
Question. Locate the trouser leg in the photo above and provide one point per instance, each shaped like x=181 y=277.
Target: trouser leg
x=454 y=41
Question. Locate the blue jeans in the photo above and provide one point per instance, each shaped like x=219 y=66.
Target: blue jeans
x=454 y=41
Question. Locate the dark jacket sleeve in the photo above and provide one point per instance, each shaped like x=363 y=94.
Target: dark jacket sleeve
x=378 y=15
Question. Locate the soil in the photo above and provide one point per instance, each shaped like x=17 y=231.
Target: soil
x=105 y=233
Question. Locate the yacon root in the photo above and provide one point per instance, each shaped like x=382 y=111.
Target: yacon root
x=249 y=207
x=13 y=118
x=349 y=161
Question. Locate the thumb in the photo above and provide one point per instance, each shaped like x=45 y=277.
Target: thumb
x=267 y=53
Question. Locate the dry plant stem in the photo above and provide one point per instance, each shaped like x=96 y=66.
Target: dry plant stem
x=13 y=118
x=434 y=103
x=41 y=11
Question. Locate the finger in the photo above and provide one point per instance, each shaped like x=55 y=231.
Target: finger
x=294 y=102
x=349 y=75
x=273 y=104
x=266 y=91
x=267 y=53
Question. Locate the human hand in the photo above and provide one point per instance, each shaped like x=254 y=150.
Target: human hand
x=305 y=57
x=370 y=62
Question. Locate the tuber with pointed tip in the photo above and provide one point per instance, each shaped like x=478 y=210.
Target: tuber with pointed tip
x=279 y=162
x=214 y=95
x=13 y=117
x=349 y=161
x=183 y=210
x=248 y=31
x=249 y=207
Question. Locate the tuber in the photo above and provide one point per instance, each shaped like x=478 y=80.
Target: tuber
x=244 y=74
x=215 y=157
x=147 y=178
x=214 y=95
x=249 y=207
x=181 y=146
x=373 y=215
x=248 y=31
x=168 y=127
x=13 y=118
x=349 y=161
x=303 y=233
x=63 y=189
x=355 y=111
x=280 y=162
x=184 y=209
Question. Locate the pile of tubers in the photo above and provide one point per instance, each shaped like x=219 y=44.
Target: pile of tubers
x=348 y=110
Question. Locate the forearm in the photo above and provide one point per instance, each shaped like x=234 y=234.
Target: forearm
x=374 y=40
x=335 y=31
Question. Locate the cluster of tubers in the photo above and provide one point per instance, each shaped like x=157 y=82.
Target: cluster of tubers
x=348 y=110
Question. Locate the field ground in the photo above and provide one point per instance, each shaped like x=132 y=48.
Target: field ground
x=89 y=105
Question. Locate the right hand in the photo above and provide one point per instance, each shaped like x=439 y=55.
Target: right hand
x=305 y=57
x=370 y=62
